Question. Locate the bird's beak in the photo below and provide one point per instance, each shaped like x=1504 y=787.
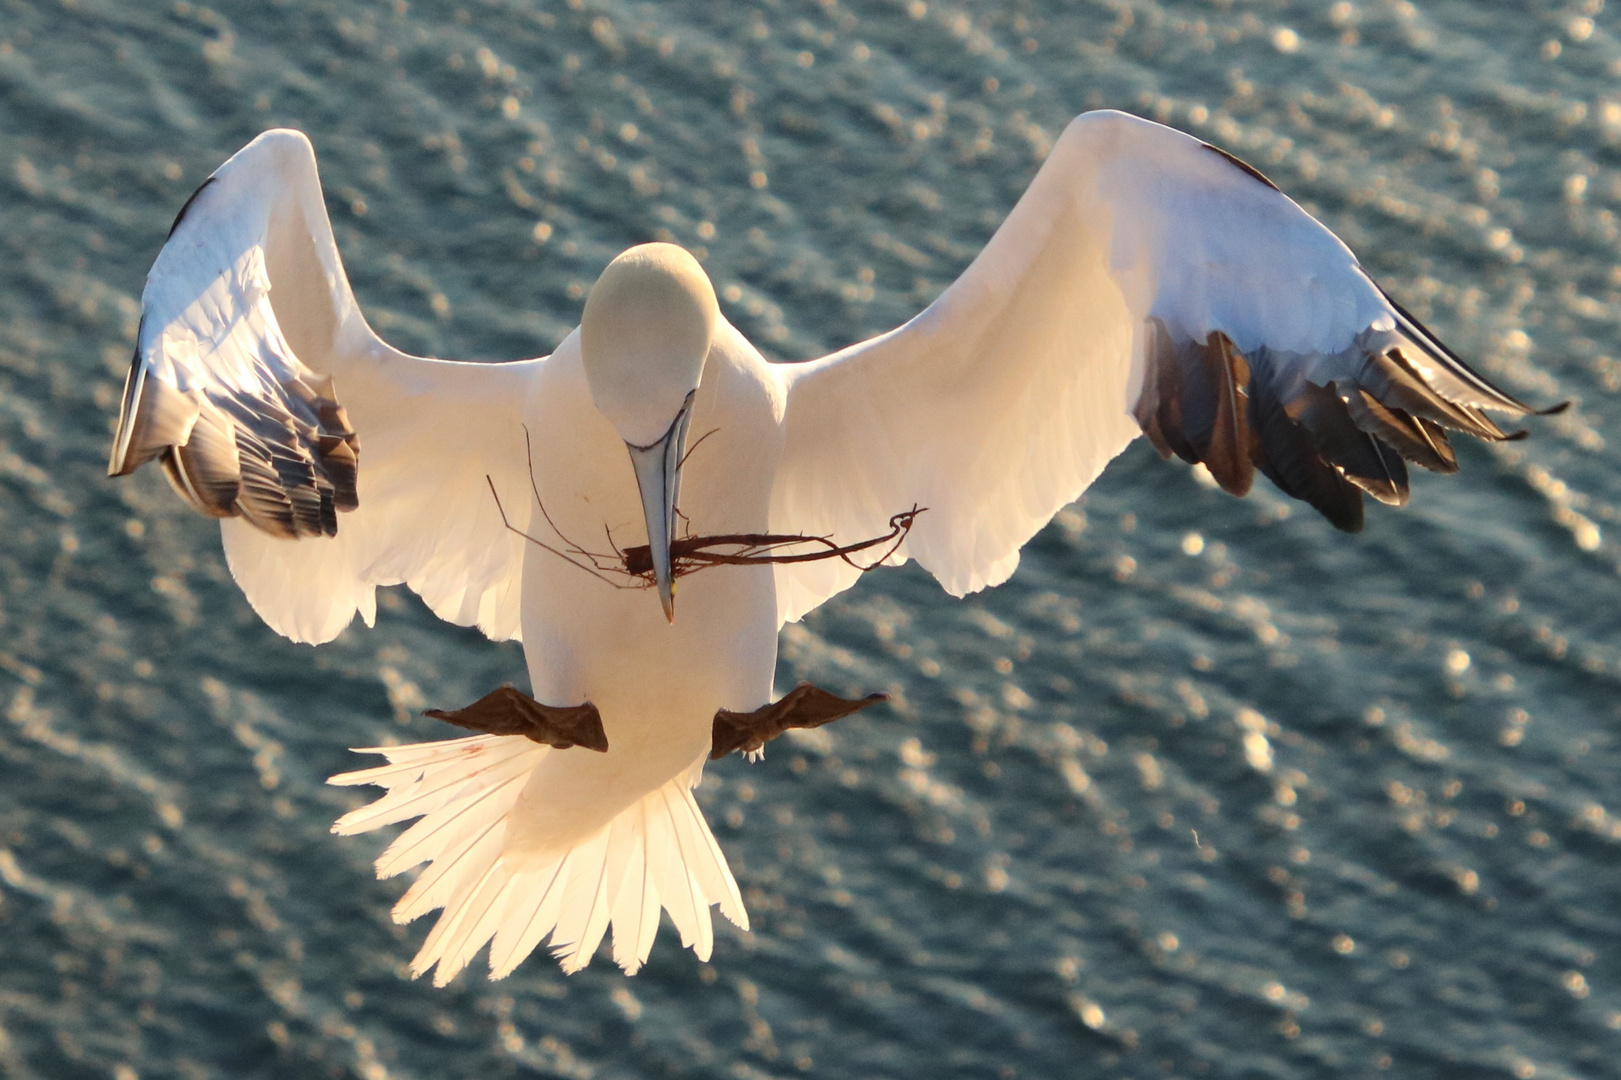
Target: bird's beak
x=658 y=475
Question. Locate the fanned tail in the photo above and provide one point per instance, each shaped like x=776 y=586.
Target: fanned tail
x=657 y=854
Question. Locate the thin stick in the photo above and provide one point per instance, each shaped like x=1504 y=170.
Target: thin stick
x=691 y=554
x=695 y=446
x=534 y=487
x=547 y=547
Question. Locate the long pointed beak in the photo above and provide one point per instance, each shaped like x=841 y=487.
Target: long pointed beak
x=658 y=476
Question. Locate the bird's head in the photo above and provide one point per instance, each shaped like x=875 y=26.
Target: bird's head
x=646 y=331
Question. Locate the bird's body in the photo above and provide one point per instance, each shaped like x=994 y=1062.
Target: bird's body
x=657 y=684
x=1145 y=283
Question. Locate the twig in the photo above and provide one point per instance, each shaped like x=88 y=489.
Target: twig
x=695 y=446
x=593 y=571
x=691 y=554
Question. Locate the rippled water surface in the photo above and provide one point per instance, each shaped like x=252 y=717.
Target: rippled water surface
x=1206 y=790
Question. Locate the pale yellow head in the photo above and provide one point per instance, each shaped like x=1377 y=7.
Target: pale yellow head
x=647 y=329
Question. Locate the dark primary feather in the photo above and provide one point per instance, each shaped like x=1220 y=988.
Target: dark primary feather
x=1243 y=166
x=1415 y=439
x=184 y=207
x=1323 y=428
x=1194 y=405
x=285 y=457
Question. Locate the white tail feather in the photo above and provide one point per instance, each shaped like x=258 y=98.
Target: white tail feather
x=584 y=918
x=657 y=853
x=700 y=935
x=420 y=798
x=450 y=931
x=413 y=793
x=717 y=880
x=663 y=856
x=443 y=884
x=629 y=889
x=524 y=932
x=451 y=829
x=652 y=904
x=482 y=915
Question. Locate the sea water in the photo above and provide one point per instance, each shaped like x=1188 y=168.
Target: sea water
x=1207 y=789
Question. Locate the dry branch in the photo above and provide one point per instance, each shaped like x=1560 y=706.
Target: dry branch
x=632 y=567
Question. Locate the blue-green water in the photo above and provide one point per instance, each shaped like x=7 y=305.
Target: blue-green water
x=1058 y=854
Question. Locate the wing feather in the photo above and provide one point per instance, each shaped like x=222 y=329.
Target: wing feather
x=253 y=378
x=1142 y=284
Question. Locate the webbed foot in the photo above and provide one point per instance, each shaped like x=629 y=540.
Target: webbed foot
x=805 y=706
x=506 y=711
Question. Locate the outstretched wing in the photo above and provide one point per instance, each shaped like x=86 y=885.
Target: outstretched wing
x=1146 y=282
x=256 y=382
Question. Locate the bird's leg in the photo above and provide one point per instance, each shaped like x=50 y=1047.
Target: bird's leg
x=506 y=711
x=805 y=706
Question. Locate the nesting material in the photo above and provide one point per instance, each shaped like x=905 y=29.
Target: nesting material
x=632 y=567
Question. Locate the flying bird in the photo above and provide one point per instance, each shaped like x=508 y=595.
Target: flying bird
x=1145 y=283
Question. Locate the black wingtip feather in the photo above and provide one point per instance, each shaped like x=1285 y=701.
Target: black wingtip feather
x=1287 y=454
x=1421 y=335
x=1413 y=438
x=1323 y=443
x=281 y=454
x=1360 y=457
x=186 y=206
x=1243 y=165
x=1195 y=404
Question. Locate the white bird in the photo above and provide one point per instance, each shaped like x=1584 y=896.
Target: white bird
x=1146 y=282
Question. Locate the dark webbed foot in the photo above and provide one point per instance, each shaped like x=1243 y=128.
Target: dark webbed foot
x=506 y=711
x=805 y=706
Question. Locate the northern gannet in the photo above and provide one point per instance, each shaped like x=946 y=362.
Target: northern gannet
x=1145 y=283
